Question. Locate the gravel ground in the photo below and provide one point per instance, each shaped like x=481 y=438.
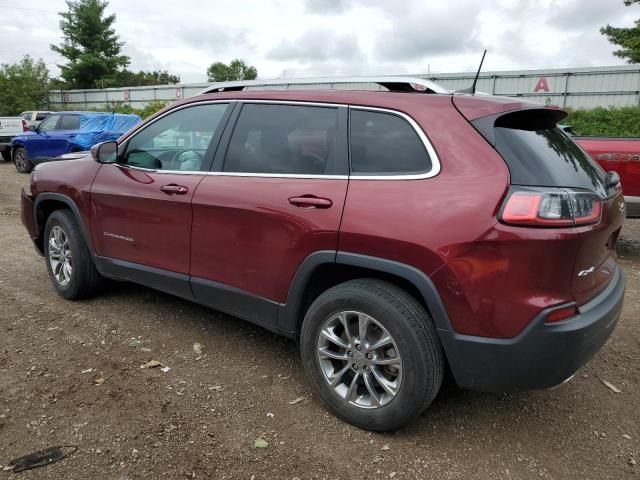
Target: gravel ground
x=70 y=375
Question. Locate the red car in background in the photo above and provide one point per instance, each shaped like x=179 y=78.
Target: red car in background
x=620 y=155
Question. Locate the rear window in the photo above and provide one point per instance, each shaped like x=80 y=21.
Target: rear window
x=385 y=144
x=538 y=153
x=69 y=122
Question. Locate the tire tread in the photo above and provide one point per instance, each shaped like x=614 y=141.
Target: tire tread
x=416 y=321
x=89 y=278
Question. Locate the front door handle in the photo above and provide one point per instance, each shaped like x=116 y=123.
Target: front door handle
x=173 y=189
x=310 y=201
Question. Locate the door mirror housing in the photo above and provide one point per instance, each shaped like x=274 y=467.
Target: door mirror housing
x=105 y=152
x=32 y=128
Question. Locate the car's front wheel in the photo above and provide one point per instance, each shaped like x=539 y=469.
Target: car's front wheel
x=21 y=160
x=372 y=354
x=69 y=263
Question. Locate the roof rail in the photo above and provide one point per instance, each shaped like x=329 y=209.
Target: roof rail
x=392 y=83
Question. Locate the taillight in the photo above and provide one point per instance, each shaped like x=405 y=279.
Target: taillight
x=24 y=126
x=550 y=207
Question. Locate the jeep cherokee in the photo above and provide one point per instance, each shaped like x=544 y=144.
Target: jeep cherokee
x=393 y=234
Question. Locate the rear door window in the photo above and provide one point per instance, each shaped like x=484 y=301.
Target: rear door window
x=385 y=144
x=41 y=116
x=284 y=139
x=69 y=122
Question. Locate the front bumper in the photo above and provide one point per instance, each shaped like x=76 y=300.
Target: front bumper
x=28 y=220
x=543 y=355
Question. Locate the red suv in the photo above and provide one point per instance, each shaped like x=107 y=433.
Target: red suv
x=393 y=234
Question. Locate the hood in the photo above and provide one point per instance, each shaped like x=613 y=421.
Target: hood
x=73 y=155
x=25 y=136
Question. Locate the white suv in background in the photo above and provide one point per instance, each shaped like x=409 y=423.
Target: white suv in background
x=34 y=118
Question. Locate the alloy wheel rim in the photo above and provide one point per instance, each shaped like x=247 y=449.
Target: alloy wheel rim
x=60 y=256
x=359 y=359
x=20 y=160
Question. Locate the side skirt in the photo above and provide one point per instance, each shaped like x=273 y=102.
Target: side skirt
x=227 y=299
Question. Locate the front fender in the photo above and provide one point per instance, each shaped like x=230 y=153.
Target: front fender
x=41 y=207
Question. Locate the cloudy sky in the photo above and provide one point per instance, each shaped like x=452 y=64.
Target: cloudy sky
x=330 y=37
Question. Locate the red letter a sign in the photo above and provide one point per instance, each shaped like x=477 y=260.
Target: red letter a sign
x=541 y=85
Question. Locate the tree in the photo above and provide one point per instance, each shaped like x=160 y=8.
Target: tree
x=627 y=38
x=127 y=78
x=90 y=44
x=23 y=86
x=236 y=70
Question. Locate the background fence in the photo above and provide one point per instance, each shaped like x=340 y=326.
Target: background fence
x=575 y=88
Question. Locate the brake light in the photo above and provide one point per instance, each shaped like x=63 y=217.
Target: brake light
x=561 y=313
x=550 y=207
x=24 y=126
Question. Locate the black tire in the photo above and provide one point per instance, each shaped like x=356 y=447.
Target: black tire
x=6 y=155
x=413 y=332
x=85 y=279
x=21 y=160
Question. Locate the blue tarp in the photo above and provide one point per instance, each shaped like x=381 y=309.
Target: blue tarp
x=96 y=127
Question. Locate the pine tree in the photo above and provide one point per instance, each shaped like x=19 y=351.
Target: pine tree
x=90 y=44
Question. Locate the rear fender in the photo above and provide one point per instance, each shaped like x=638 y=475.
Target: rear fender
x=290 y=313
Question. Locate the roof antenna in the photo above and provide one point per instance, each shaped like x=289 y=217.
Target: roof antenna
x=472 y=88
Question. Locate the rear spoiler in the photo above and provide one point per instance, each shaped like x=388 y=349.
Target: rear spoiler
x=522 y=119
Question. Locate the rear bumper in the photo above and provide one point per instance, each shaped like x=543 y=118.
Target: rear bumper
x=633 y=206
x=543 y=355
x=28 y=220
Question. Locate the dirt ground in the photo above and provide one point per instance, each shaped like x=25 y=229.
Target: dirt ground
x=70 y=375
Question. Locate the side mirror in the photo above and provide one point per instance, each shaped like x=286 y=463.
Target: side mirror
x=105 y=152
x=32 y=128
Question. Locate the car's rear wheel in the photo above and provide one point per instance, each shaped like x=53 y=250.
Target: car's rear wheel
x=372 y=354
x=69 y=263
x=21 y=160
x=6 y=155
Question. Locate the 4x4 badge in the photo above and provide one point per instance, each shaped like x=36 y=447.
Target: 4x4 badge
x=621 y=207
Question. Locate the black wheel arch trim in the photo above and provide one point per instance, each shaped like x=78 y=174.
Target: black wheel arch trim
x=59 y=197
x=289 y=314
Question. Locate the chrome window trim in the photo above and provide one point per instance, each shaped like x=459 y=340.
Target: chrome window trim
x=232 y=174
x=181 y=107
x=435 y=161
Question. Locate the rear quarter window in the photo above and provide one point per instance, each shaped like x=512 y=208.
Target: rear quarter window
x=385 y=144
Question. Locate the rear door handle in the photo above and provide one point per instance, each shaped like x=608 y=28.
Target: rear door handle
x=173 y=189
x=310 y=202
